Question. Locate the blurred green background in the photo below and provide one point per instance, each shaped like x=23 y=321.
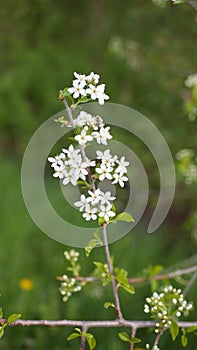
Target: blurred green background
x=144 y=54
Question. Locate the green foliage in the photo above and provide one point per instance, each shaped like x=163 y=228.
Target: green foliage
x=108 y=304
x=88 y=336
x=174 y=329
x=124 y=216
x=95 y=242
x=121 y=278
x=125 y=337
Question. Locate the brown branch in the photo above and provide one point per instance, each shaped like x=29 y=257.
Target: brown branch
x=133 y=333
x=157 y=339
x=173 y=274
x=83 y=339
x=114 y=286
x=90 y=324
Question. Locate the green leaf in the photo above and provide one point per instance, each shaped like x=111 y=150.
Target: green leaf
x=124 y=216
x=130 y=289
x=93 y=243
x=1 y=332
x=108 y=304
x=191 y=329
x=124 y=336
x=66 y=92
x=174 y=329
x=13 y=318
x=184 y=340
x=91 y=340
x=1 y=312
x=73 y=336
x=122 y=280
x=83 y=100
x=135 y=340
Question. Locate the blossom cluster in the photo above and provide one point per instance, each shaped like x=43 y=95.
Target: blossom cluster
x=87 y=86
x=69 y=286
x=167 y=306
x=72 y=166
x=97 y=204
x=71 y=256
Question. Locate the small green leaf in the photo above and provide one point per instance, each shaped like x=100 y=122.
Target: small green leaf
x=91 y=245
x=13 y=318
x=83 y=100
x=91 y=340
x=108 y=304
x=124 y=216
x=122 y=280
x=73 y=336
x=130 y=289
x=135 y=340
x=191 y=329
x=184 y=340
x=124 y=336
x=1 y=332
x=174 y=329
x=66 y=92
x=1 y=312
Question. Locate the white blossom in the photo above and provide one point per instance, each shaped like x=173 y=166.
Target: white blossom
x=81 y=79
x=105 y=172
x=83 y=138
x=120 y=179
x=93 y=78
x=82 y=203
x=95 y=196
x=77 y=89
x=106 y=212
x=122 y=164
x=90 y=213
x=59 y=171
x=71 y=176
x=102 y=135
x=106 y=198
x=106 y=157
x=57 y=160
x=97 y=92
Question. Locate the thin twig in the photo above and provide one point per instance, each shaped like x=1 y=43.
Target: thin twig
x=157 y=338
x=133 y=333
x=114 y=286
x=136 y=280
x=83 y=339
x=91 y=324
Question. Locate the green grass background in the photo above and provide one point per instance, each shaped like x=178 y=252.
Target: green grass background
x=42 y=43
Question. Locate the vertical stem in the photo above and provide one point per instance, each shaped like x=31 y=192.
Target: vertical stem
x=157 y=338
x=83 y=339
x=70 y=116
x=114 y=286
x=133 y=332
